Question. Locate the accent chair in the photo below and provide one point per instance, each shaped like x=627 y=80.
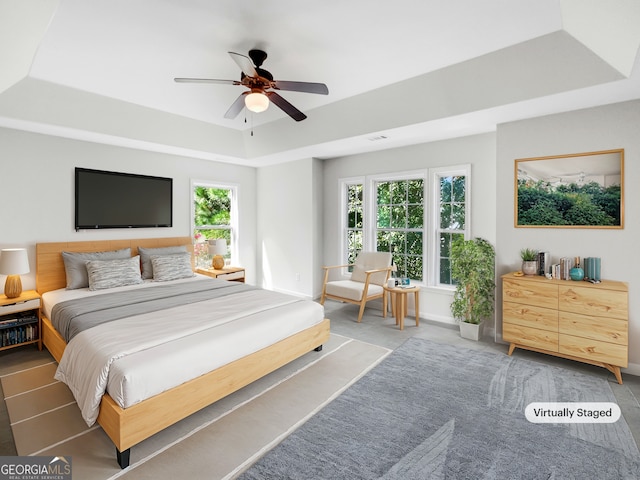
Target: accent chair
x=371 y=271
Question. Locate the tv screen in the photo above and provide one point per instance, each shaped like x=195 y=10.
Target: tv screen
x=122 y=200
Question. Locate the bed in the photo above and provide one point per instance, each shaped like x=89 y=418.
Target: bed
x=126 y=425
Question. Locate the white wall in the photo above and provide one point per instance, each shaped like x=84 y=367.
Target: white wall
x=602 y=128
x=37 y=192
x=477 y=150
x=288 y=217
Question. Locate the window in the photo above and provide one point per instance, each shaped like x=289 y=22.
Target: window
x=414 y=219
x=214 y=216
x=451 y=219
x=354 y=220
x=400 y=224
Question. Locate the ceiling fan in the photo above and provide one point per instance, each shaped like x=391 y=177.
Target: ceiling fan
x=261 y=87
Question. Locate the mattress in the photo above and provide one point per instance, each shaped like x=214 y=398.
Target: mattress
x=137 y=357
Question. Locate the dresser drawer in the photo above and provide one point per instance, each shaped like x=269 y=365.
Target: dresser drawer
x=595 y=350
x=532 y=337
x=594 y=302
x=530 y=292
x=530 y=316
x=611 y=330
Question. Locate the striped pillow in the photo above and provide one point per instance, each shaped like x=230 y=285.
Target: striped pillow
x=171 y=267
x=76 y=269
x=113 y=273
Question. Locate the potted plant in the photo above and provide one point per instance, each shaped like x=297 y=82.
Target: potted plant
x=473 y=270
x=529 y=261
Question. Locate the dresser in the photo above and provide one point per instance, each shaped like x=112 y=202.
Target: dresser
x=576 y=320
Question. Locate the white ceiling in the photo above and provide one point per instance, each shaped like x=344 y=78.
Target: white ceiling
x=410 y=71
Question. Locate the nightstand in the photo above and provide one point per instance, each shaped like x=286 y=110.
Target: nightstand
x=20 y=320
x=235 y=274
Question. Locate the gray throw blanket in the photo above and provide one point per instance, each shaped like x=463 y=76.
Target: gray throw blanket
x=73 y=316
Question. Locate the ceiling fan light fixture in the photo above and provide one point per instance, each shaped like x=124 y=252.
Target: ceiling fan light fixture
x=256 y=102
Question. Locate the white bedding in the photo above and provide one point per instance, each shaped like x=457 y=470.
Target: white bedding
x=138 y=357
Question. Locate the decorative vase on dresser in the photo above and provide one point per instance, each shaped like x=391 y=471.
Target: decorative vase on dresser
x=580 y=321
x=576 y=273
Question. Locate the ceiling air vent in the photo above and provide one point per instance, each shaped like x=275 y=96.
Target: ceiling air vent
x=377 y=137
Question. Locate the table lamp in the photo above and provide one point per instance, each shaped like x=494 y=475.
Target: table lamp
x=13 y=263
x=218 y=248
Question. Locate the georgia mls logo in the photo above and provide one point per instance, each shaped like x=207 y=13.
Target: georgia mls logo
x=60 y=466
x=35 y=468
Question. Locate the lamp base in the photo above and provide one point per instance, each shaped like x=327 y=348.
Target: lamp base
x=13 y=286
x=218 y=262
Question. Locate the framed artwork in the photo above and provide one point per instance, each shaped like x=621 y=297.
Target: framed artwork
x=579 y=190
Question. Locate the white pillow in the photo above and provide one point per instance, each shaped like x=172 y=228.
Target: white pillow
x=145 y=256
x=171 y=267
x=113 y=273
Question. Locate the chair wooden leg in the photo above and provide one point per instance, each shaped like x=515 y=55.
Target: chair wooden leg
x=361 y=311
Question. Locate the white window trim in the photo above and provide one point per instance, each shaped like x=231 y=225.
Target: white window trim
x=235 y=233
x=431 y=177
x=369 y=240
x=433 y=246
x=344 y=182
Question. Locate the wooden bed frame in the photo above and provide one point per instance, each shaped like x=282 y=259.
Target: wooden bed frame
x=127 y=427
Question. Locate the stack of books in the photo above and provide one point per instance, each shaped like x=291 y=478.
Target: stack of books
x=561 y=270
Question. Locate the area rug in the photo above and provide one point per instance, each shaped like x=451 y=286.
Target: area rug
x=432 y=411
x=214 y=443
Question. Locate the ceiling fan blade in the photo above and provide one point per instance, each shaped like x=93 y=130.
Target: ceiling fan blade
x=245 y=64
x=206 y=80
x=286 y=107
x=307 y=87
x=236 y=107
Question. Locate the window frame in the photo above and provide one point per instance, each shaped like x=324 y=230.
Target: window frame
x=436 y=174
x=344 y=223
x=371 y=209
x=431 y=222
x=233 y=225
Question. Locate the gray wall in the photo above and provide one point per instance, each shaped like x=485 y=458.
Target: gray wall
x=594 y=129
x=37 y=192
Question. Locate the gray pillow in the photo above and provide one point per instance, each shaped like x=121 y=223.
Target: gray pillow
x=113 y=273
x=145 y=256
x=171 y=267
x=76 y=269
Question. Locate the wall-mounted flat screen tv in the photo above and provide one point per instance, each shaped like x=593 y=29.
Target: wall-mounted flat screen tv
x=122 y=200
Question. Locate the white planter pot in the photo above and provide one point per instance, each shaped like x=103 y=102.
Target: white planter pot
x=471 y=331
x=530 y=268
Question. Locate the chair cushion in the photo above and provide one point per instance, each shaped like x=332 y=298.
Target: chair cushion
x=351 y=290
x=371 y=261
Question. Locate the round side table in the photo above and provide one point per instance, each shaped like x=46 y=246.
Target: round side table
x=399 y=303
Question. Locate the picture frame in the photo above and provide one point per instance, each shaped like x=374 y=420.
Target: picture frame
x=578 y=190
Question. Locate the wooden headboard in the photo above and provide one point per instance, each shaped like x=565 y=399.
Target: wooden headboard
x=50 y=274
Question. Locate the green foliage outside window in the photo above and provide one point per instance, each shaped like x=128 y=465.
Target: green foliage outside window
x=354 y=221
x=400 y=225
x=212 y=220
x=452 y=221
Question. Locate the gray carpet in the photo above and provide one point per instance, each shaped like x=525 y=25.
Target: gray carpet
x=432 y=411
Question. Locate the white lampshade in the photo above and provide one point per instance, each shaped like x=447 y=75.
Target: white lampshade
x=14 y=261
x=218 y=246
x=256 y=102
